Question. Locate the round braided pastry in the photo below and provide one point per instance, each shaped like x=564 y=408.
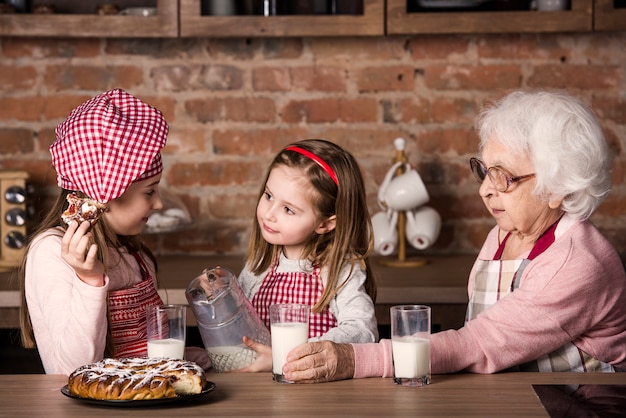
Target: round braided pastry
x=136 y=379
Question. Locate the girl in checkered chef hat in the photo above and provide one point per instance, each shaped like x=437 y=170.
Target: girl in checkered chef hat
x=310 y=244
x=85 y=287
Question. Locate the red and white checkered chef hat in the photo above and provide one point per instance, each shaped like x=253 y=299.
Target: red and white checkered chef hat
x=107 y=143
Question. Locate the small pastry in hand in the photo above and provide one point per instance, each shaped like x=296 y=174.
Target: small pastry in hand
x=82 y=209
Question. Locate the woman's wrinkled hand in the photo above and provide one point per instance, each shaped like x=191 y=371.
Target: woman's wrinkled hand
x=80 y=255
x=320 y=361
x=263 y=361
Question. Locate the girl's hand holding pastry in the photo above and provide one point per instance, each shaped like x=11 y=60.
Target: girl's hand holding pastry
x=80 y=255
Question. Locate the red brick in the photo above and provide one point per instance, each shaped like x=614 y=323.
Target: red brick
x=358 y=110
x=610 y=108
x=59 y=106
x=264 y=143
x=413 y=109
x=16 y=141
x=16 y=78
x=440 y=141
x=50 y=47
x=456 y=110
x=244 y=109
x=222 y=172
x=311 y=111
x=184 y=140
x=44 y=138
x=356 y=49
x=92 y=77
x=193 y=77
x=22 y=108
x=472 y=77
x=319 y=78
x=523 y=47
x=598 y=77
x=233 y=206
x=271 y=79
x=394 y=78
x=439 y=46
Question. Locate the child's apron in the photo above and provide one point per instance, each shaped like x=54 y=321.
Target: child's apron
x=294 y=287
x=127 y=315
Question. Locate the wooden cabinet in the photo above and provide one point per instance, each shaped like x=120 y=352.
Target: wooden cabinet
x=184 y=18
x=370 y=23
x=400 y=21
x=163 y=25
x=607 y=15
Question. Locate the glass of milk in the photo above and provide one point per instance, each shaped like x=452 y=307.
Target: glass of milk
x=289 y=327
x=410 y=342
x=166 y=330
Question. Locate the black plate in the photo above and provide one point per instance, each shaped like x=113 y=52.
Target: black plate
x=208 y=387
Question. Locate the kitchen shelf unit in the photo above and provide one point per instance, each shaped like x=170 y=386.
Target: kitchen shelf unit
x=163 y=25
x=579 y=18
x=193 y=24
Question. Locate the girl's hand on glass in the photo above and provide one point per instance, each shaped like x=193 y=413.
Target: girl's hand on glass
x=263 y=361
x=81 y=256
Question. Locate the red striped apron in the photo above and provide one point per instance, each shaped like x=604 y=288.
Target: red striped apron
x=294 y=287
x=127 y=314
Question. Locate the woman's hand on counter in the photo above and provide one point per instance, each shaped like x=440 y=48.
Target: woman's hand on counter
x=320 y=361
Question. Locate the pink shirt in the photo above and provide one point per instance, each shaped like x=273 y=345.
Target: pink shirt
x=574 y=291
x=69 y=317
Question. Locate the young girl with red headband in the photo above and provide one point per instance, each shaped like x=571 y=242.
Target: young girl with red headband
x=310 y=245
x=85 y=285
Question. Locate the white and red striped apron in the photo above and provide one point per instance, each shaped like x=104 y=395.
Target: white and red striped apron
x=497 y=278
x=127 y=315
x=294 y=287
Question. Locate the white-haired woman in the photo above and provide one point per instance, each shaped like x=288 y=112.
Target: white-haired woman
x=547 y=291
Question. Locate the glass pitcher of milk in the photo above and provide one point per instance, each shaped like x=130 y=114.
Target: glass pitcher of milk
x=224 y=315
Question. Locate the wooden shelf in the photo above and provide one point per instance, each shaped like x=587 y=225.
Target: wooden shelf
x=400 y=22
x=607 y=17
x=379 y=18
x=163 y=25
x=370 y=23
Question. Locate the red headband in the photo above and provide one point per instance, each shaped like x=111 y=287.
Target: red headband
x=317 y=159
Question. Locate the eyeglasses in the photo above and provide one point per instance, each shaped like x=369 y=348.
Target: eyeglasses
x=499 y=177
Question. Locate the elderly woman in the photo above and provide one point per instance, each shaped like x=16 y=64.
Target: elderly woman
x=547 y=291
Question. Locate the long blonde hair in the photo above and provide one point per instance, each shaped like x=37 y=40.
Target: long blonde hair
x=101 y=235
x=352 y=239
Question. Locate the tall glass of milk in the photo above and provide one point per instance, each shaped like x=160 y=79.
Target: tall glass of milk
x=166 y=330
x=289 y=327
x=410 y=343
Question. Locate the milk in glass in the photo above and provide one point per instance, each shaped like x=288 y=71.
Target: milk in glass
x=168 y=347
x=285 y=337
x=411 y=357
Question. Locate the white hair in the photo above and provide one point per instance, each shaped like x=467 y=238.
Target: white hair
x=563 y=139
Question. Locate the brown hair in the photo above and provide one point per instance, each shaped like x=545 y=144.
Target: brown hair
x=102 y=235
x=352 y=239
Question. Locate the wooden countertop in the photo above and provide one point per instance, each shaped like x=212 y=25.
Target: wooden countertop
x=502 y=395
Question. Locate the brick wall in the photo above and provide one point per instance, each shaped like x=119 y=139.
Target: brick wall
x=232 y=104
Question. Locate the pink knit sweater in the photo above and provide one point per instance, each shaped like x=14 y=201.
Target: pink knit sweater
x=574 y=291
